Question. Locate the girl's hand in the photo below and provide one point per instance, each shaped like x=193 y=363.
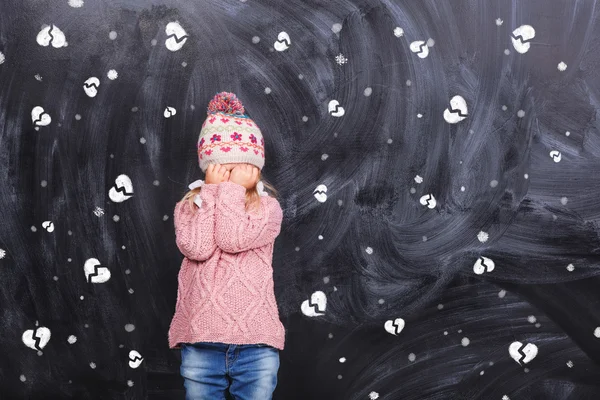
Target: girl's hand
x=216 y=173
x=245 y=175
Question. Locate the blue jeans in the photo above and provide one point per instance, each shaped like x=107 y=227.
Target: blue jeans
x=208 y=368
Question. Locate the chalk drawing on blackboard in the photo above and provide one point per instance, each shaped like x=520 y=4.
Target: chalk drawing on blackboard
x=260 y=188
x=48 y=226
x=556 y=155
x=76 y=3
x=428 y=200
x=135 y=359
x=521 y=38
x=334 y=108
x=169 y=112
x=283 y=42
x=36 y=339
x=98 y=212
x=320 y=193
x=499 y=22
x=373 y=396
x=395 y=326
x=2 y=253
x=315 y=306
x=398 y=32
x=51 y=35
x=340 y=59
x=482 y=236
x=483 y=264
x=38 y=77
x=458 y=110
x=90 y=86
x=122 y=190
x=2 y=58
x=112 y=74
x=72 y=339
x=40 y=117
x=561 y=66
x=597 y=332
x=419 y=179
x=176 y=36
x=520 y=353
x=420 y=48
x=95 y=272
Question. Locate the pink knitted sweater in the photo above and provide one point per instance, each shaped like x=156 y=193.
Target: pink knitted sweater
x=225 y=291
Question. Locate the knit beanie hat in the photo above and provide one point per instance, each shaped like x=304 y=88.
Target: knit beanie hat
x=228 y=135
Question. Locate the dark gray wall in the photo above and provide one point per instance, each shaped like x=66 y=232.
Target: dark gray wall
x=382 y=254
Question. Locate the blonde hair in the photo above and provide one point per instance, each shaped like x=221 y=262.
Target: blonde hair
x=252 y=195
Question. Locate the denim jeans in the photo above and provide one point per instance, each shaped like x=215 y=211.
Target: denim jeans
x=249 y=371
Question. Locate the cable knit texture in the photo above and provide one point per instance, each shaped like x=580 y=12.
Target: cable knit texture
x=225 y=291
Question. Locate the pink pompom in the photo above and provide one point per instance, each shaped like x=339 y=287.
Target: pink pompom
x=226 y=102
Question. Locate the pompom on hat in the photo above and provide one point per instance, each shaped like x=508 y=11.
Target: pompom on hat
x=228 y=135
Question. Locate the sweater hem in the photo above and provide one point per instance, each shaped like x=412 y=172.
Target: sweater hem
x=273 y=341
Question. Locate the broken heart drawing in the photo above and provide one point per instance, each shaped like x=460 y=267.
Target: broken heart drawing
x=316 y=305
x=519 y=353
x=394 y=327
x=94 y=272
x=36 y=339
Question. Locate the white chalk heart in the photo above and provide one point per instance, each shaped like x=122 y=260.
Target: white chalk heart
x=316 y=305
x=198 y=201
x=458 y=110
x=40 y=117
x=520 y=353
x=135 y=359
x=420 y=48
x=196 y=184
x=94 y=272
x=36 y=339
x=169 y=112
x=335 y=110
x=394 y=327
x=177 y=36
x=90 y=86
x=283 y=42
x=483 y=264
x=122 y=190
x=260 y=188
x=320 y=193
x=521 y=37
x=48 y=225
x=51 y=35
x=428 y=200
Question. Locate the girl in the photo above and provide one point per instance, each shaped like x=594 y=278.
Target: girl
x=226 y=319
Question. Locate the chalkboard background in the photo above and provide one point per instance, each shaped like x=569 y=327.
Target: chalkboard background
x=425 y=191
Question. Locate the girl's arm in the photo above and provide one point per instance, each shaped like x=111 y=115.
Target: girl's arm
x=237 y=230
x=195 y=227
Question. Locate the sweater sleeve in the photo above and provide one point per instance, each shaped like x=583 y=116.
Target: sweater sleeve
x=194 y=227
x=237 y=230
